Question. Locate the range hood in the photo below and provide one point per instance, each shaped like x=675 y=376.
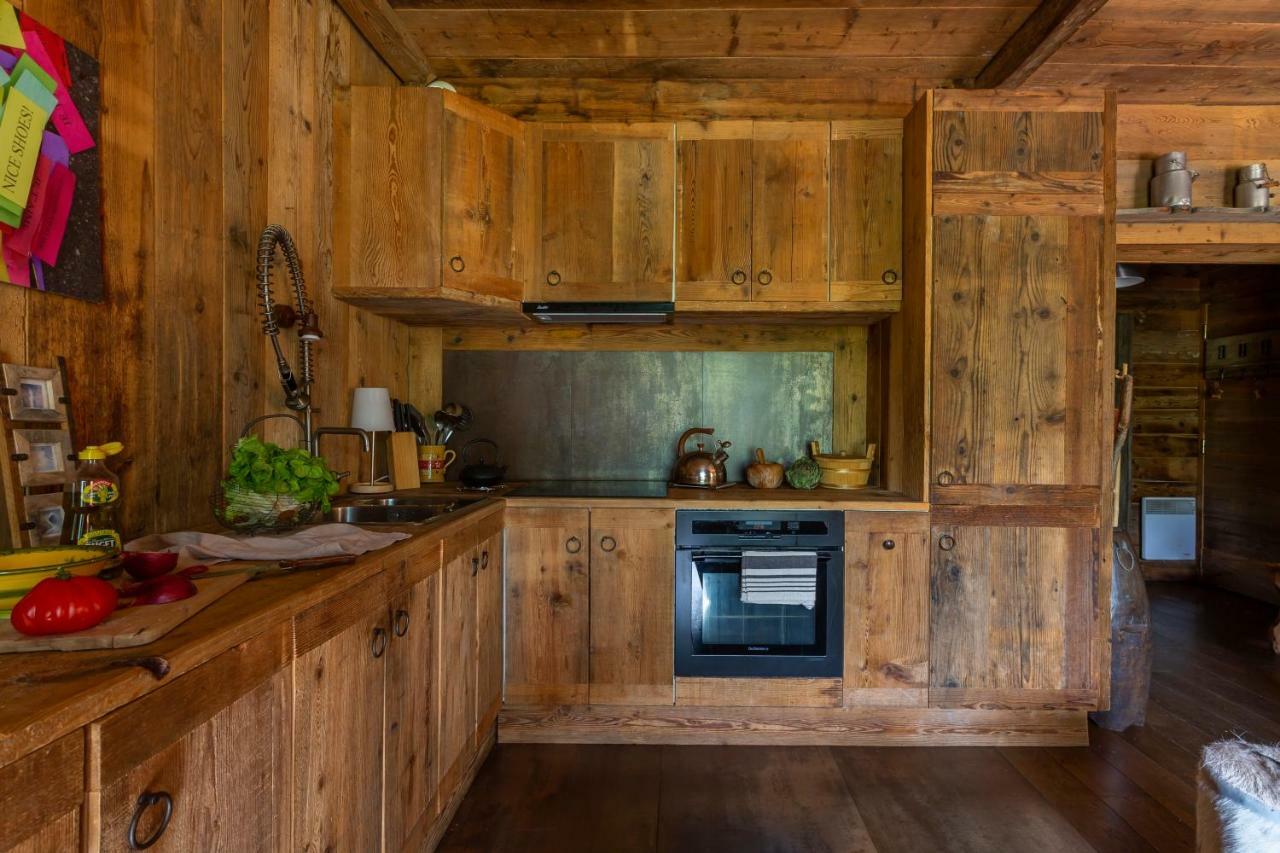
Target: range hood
x=600 y=312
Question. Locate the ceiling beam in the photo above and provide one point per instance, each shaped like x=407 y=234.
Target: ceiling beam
x=381 y=25
x=1045 y=30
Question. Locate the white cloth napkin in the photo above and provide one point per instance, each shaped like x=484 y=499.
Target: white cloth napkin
x=323 y=540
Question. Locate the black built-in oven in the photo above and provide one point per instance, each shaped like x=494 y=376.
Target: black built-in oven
x=718 y=634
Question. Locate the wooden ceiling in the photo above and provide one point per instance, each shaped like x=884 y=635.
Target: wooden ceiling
x=575 y=58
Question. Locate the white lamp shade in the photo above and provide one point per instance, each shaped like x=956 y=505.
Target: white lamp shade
x=371 y=410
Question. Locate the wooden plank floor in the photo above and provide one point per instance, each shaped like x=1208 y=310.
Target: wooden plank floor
x=1131 y=792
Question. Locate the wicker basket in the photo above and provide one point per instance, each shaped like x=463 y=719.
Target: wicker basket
x=245 y=511
x=843 y=472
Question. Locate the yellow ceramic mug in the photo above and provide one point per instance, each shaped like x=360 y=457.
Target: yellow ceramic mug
x=432 y=460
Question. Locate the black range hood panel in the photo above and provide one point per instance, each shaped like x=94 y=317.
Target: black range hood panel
x=600 y=312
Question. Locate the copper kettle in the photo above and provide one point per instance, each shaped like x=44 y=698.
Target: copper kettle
x=700 y=467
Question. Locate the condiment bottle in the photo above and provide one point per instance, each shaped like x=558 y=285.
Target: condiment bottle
x=92 y=500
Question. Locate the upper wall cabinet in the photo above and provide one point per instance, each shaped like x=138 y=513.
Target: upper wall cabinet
x=866 y=208
x=753 y=211
x=428 y=188
x=603 y=210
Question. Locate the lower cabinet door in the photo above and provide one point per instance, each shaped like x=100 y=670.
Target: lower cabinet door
x=43 y=793
x=633 y=580
x=202 y=762
x=457 y=667
x=488 y=637
x=412 y=766
x=1012 y=617
x=338 y=721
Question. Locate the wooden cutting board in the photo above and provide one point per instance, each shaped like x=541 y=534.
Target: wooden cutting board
x=132 y=626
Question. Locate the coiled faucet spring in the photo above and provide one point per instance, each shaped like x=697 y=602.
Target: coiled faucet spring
x=274 y=317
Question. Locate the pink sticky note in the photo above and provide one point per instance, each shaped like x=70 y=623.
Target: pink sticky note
x=18 y=267
x=33 y=215
x=66 y=118
x=53 y=226
x=52 y=43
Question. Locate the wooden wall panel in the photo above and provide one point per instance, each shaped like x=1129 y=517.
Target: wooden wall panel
x=217 y=120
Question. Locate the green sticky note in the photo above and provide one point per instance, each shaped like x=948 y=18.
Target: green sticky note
x=9 y=216
x=21 y=133
x=26 y=63
x=27 y=84
x=10 y=32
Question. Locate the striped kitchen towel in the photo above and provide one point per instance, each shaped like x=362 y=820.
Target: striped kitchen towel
x=780 y=577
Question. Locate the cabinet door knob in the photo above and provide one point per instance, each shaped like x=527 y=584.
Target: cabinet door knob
x=608 y=543
x=573 y=545
x=457 y=264
x=484 y=559
x=889 y=276
x=765 y=277
x=553 y=278
x=401 y=624
x=888 y=544
x=946 y=542
x=739 y=277
x=946 y=478
x=146 y=801
x=378 y=642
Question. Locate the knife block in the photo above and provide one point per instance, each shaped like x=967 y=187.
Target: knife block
x=404 y=460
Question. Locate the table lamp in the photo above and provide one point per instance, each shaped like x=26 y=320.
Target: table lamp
x=371 y=412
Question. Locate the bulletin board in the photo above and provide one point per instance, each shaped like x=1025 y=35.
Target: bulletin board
x=50 y=165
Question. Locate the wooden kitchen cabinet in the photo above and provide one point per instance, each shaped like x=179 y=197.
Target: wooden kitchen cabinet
x=457 y=664
x=604 y=207
x=547 y=604
x=753 y=200
x=44 y=793
x=339 y=677
x=208 y=751
x=432 y=200
x=632 y=654
x=886 y=606
x=489 y=636
x=866 y=209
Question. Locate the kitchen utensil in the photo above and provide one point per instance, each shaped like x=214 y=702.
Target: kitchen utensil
x=700 y=467
x=418 y=424
x=1253 y=187
x=128 y=626
x=477 y=472
x=259 y=571
x=764 y=475
x=843 y=472
x=433 y=461
x=22 y=569
x=1171 y=181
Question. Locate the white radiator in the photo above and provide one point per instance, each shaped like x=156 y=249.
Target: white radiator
x=1168 y=528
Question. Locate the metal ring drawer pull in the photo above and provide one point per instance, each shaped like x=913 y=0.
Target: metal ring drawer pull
x=457 y=264
x=739 y=277
x=553 y=278
x=947 y=542
x=573 y=545
x=889 y=276
x=378 y=642
x=401 y=624
x=608 y=543
x=764 y=278
x=888 y=544
x=946 y=478
x=146 y=801
x=484 y=559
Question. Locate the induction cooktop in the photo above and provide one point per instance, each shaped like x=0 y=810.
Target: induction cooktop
x=592 y=489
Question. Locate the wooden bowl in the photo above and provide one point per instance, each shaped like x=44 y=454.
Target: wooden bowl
x=844 y=472
x=764 y=475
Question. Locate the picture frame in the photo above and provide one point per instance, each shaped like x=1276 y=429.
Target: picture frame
x=44 y=517
x=34 y=393
x=44 y=456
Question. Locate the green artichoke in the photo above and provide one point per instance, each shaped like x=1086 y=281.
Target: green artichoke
x=804 y=473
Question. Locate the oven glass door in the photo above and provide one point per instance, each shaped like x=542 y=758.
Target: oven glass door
x=723 y=625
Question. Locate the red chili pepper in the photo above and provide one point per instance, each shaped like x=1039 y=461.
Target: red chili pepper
x=63 y=604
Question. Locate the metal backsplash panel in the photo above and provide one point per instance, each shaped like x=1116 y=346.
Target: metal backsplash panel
x=617 y=415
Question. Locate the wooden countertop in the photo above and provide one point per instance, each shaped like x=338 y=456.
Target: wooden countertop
x=48 y=694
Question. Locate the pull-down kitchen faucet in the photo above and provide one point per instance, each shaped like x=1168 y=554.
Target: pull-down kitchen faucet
x=297 y=389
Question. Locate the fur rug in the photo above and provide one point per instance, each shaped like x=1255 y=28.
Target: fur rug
x=1238 y=804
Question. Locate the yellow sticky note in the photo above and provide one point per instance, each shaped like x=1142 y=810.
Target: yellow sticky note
x=10 y=32
x=21 y=132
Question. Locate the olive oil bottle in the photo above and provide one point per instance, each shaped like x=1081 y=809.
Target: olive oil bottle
x=91 y=502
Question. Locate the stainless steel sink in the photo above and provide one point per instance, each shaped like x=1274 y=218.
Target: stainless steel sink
x=406 y=510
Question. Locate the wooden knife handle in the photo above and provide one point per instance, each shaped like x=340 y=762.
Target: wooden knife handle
x=318 y=562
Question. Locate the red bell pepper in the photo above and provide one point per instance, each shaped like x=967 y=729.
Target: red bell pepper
x=63 y=604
